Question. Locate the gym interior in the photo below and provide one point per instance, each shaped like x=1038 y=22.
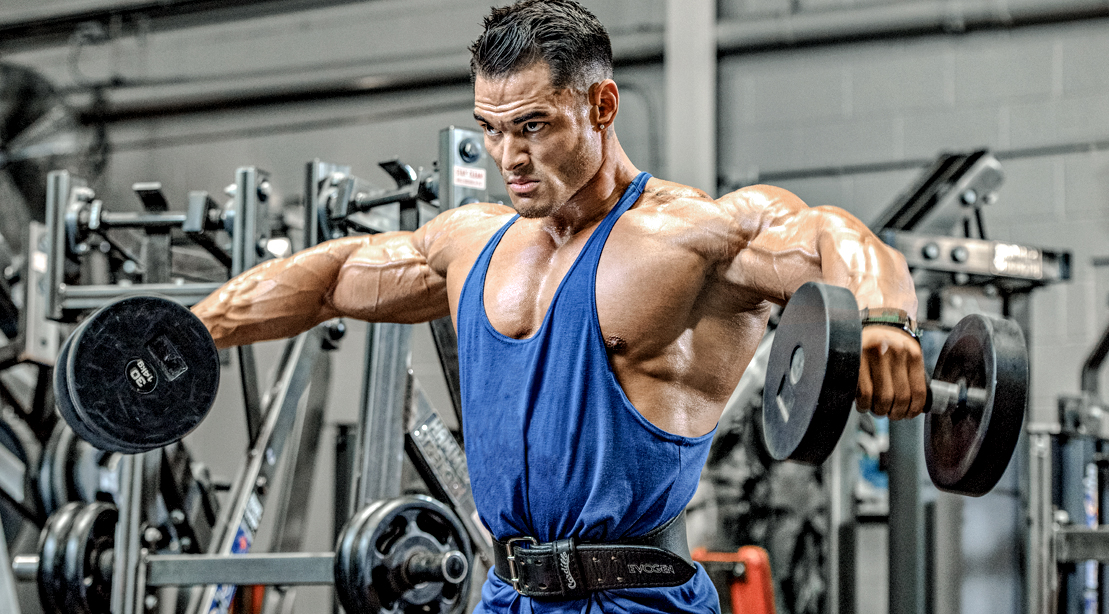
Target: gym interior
x=164 y=146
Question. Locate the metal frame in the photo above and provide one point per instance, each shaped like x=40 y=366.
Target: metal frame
x=237 y=529
x=65 y=191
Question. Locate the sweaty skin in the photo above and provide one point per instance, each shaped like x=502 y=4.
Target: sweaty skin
x=684 y=286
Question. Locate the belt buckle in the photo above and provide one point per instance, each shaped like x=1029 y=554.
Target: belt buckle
x=514 y=577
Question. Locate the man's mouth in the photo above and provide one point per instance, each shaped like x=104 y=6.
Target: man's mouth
x=522 y=185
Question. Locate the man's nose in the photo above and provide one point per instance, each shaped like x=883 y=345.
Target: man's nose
x=514 y=152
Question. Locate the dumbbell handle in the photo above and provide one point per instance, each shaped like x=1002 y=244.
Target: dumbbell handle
x=427 y=566
x=25 y=567
x=946 y=396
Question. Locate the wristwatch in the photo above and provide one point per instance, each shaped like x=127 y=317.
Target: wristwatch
x=889 y=316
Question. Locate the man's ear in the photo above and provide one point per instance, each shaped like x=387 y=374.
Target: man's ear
x=604 y=102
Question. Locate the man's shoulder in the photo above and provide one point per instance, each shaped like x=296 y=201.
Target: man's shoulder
x=663 y=192
x=667 y=203
x=460 y=230
x=476 y=217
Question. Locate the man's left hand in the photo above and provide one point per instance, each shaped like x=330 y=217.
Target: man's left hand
x=891 y=377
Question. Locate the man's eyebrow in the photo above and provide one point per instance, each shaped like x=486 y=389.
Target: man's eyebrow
x=529 y=116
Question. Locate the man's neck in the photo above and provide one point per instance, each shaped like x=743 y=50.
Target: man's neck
x=596 y=198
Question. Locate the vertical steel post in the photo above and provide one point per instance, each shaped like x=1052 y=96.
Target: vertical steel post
x=906 y=519
x=947 y=554
x=843 y=467
x=1040 y=577
x=126 y=559
x=381 y=425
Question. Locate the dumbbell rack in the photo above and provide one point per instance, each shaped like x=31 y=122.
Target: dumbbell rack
x=273 y=420
x=73 y=211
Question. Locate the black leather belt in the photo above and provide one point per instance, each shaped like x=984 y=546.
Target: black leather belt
x=566 y=569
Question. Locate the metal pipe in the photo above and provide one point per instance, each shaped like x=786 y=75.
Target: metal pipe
x=906 y=521
x=809 y=28
x=1040 y=568
x=136 y=219
x=735 y=36
x=54 y=23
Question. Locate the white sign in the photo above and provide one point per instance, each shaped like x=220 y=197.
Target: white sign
x=469 y=177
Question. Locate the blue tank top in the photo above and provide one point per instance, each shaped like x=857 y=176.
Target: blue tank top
x=554 y=446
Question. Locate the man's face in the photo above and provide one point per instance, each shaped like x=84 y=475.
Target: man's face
x=541 y=138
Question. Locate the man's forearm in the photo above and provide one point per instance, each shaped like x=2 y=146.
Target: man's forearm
x=276 y=299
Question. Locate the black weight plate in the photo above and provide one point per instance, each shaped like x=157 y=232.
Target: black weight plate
x=804 y=412
x=967 y=450
x=52 y=551
x=142 y=372
x=347 y=568
x=49 y=497
x=92 y=533
x=376 y=544
x=62 y=395
x=55 y=482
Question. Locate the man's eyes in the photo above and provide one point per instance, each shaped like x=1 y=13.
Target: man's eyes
x=528 y=128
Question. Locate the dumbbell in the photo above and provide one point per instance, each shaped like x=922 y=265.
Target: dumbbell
x=137 y=374
x=976 y=396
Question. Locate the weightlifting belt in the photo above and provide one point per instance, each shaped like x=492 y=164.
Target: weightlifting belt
x=567 y=569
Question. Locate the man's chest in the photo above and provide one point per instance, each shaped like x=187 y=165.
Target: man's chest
x=644 y=287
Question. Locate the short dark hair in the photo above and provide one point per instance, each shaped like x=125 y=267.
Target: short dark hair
x=562 y=33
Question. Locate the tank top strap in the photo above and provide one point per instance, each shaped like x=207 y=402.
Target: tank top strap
x=482 y=262
x=631 y=194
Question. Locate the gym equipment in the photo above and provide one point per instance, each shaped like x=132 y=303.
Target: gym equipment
x=403 y=553
x=70 y=470
x=19 y=454
x=746 y=573
x=75 y=558
x=397 y=555
x=138 y=374
x=976 y=398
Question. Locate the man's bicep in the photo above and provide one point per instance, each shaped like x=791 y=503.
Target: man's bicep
x=389 y=279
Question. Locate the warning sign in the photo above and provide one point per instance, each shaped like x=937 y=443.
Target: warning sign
x=469 y=177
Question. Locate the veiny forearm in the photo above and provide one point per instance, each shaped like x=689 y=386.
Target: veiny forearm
x=781 y=243
x=278 y=298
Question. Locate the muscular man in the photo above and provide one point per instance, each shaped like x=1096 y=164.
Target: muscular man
x=603 y=321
